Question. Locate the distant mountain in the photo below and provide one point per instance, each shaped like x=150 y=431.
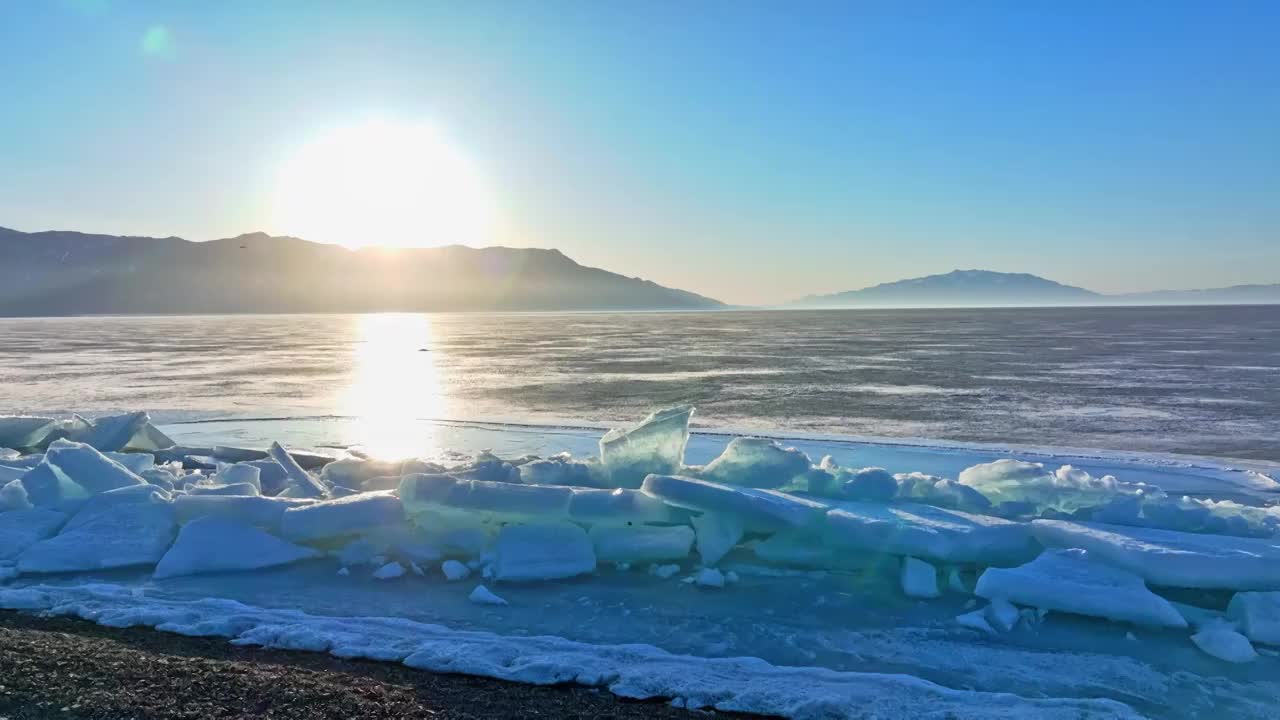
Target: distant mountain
x=960 y=287
x=1234 y=295
x=62 y=273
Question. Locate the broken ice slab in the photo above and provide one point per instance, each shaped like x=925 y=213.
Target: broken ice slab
x=218 y=544
x=656 y=445
x=1073 y=581
x=22 y=431
x=113 y=432
x=641 y=544
x=306 y=486
x=1258 y=615
x=125 y=535
x=756 y=462
x=620 y=507
x=20 y=529
x=1170 y=557
x=482 y=501
x=149 y=438
x=526 y=553
x=760 y=510
x=263 y=512
x=338 y=518
x=932 y=533
x=88 y=468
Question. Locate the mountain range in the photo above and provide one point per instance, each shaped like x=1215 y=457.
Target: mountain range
x=72 y=273
x=65 y=273
x=985 y=288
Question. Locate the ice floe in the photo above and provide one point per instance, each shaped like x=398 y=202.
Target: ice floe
x=219 y=544
x=1169 y=557
x=1071 y=581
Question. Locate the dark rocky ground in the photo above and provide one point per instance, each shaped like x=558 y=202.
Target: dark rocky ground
x=67 y=668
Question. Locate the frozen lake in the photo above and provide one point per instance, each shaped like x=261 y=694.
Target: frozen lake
x=1203 y=381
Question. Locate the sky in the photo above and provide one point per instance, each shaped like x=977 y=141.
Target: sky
x=755 y=152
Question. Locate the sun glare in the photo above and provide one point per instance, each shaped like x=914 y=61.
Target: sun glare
x=382 y=183
x=395 y=385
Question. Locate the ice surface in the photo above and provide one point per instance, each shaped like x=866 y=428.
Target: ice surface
x=263 y=512
x=1224 y=643
x=302 y=483
x=1072 y=581
x=1258 y=615
x=656 y=445
x=484 y=596
x=757 y=463
x=20 y=529
x=344 y=516
x=124 y=535
x=641 y=544
x=926 y=531
x=717 y=534
x=113 y=432
x=919 y=579
x=1168 y=557
x=760 y=510
x=542 y=552
x=89 y=468
x=620 y=507
x=218 y=544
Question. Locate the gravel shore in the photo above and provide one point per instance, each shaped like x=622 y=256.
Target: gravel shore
x=67 y=668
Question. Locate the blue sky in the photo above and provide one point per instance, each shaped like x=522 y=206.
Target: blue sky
x=754 y=152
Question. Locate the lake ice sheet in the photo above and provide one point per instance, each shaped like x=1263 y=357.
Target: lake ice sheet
x=800 y=642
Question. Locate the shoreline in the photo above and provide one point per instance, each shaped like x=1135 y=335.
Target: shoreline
x=72 y=668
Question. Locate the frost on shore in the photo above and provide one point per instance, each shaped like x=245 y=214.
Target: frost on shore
x=81 y=495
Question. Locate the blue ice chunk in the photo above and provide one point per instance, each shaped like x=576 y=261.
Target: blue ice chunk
x=20 y=529
x=756 y=462
x=759 y=509
x=124 y=535
x=88 y=468
x=929 y=532
x=217 y=544
x=264 y=512
x=299 y=478
x=871 y=483
x=113 y=432
x=656 y=445
x=344 y=516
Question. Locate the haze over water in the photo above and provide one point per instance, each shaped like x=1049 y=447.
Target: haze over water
x=1189 y=380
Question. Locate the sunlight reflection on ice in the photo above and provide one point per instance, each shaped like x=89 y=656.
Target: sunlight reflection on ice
x=394 y=384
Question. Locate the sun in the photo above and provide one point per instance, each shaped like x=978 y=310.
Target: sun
x=382 y=183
